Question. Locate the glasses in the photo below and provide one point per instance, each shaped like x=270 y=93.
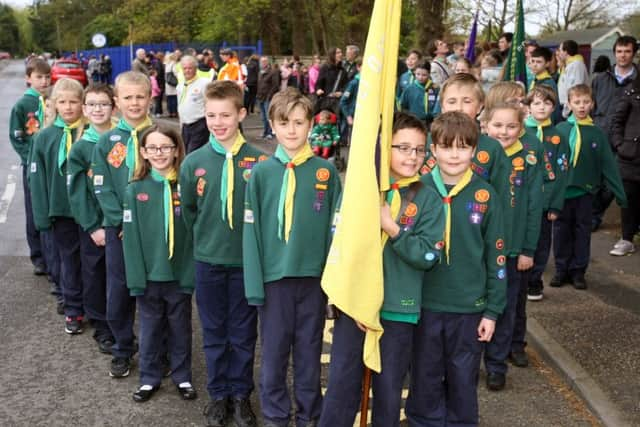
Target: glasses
x=93 y=105
x=164 y=149
x=407 y=150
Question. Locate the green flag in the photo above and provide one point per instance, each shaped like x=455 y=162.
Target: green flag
x=515 y=65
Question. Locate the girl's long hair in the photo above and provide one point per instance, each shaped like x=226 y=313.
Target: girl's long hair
x=144 y=167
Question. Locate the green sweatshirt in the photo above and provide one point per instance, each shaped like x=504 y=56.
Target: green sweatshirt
x=413 y=100
x=214 y=241
x=48 y=185
x=145 y=245
x=474 y=280
x=24 y=124
x=555 y=167
x=111 y=174
x=266 y=258
x=525 y=197
x=324 y=135
x=595 y=163
x=84 y=204
x=410 y=253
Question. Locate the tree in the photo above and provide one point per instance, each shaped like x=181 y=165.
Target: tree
x=564 y=15
x=429 y=21
x=10 y=34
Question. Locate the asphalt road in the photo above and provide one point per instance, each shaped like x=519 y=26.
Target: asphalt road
x=51 y=378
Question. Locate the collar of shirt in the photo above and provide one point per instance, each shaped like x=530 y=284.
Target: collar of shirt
x=621 y=77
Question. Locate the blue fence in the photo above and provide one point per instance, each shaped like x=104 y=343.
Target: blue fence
x=122 y=56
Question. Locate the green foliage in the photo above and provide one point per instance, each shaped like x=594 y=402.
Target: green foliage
x=108 y=24
x=26 y=31
x=10 y=33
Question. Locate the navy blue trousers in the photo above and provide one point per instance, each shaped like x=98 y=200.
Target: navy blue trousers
x=497 y=350
x=572 y=237
x=518 y=342
x=66 y=234
x=291 y=320
x=121 y=306
x=229 y=330
x=164 y=311
x=52 y=257
x=33 y=235
x=541 y=256
x=94 y=282
x=444 y=371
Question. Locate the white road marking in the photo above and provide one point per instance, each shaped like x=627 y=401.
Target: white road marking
x=7 y=197
x=14 y=167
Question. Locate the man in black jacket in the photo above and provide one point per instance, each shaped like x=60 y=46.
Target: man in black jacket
x=607 y=88
x=268 y=85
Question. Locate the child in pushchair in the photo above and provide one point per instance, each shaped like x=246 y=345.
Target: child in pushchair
x=324 y=135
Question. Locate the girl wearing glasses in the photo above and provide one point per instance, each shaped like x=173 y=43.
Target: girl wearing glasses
x=158 y=255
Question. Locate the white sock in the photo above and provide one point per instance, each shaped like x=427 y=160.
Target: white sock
x=184 y=385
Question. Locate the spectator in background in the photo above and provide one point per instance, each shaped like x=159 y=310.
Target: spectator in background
x=504 y=44
x=191 y=105
x=458 y=53
x=349 y=63
x=440 y=71
x=158 y=66
x=331 y=82
x=139 y=64
x=573 y=73
x=171 y=81
x=253 y=68
x=105 y=68
x=268 y=85
x=231 y=69
x=314 y=72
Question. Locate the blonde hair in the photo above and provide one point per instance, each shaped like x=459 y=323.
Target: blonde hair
x=133 y=78
x=68 y=85
x=488 y=113
x=143 y=167
x=503 y=91
x=463 y=80
x=581 y=89
x=284 y=102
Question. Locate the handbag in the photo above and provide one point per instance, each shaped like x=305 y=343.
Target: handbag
x=171 y=79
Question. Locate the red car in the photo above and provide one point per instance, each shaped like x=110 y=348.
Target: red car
x=5 y=55
x=68 y=68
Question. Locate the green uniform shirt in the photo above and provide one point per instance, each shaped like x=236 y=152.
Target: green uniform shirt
x=474 y=280
x=324 y=135
x=48 y=185
x=82 y=198
x=145 y=246
x=410 y=253
x=595 y=163
x=555 y=166
x=111 y=174
x=525 y=198
x=413 y=100
x=24 y=124
x=266 y=258
x=214 y=241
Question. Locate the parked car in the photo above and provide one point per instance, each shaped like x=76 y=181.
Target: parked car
x=68 y=68
x=5 y=55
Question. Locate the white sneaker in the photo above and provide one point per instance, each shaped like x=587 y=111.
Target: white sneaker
x=622 y=247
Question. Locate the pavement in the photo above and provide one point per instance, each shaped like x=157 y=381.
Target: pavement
x=584 y=344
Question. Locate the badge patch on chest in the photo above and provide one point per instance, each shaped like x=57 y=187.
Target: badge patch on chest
x=200 y=186
x=482 y=196
x=142 y=197
x=117 y=155
x=98 y=180
x=323 y=174
x=483 y=157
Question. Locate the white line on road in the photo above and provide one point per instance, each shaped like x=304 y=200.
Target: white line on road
x=7 y=197
x=14 y=167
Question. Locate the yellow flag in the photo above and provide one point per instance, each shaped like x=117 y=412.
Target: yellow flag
x=352 y=277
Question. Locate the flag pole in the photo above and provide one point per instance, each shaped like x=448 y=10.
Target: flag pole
x=364 y=401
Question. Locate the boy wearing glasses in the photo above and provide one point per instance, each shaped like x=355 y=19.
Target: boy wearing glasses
x=412 y=221
x=97 y=108
x=212 y=181
x=113 y=163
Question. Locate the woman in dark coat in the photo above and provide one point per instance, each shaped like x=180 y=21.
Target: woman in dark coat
x=331 y=82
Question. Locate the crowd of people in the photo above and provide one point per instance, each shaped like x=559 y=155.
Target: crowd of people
x=486 y=178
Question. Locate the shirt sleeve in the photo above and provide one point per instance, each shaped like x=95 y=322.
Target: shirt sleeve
x=495 y=262
x=38 y=185
x=82 y=203
x=132 y=245
x=252 y=245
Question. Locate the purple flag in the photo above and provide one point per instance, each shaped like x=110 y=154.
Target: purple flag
x=470 y=54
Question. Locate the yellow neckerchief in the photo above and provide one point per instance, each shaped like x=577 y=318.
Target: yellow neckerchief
x=570 y=60
x=66 y=140
x=575 y=136
x=427 y=86
x=288 y=189
x=530 y=122
x=166 y=181
x=131 y=159
x=227 y=176
x=183 y=95
x=514 y=148
x=395 y=199
x=539 y=77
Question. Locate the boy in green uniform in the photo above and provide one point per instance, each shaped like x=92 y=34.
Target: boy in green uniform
x=464 y=294
x=590 y=162
x=27 y=118
x=114 y=161
x=289 y=203
x=407 y=78
x=539 y=66
x=505 y=123
x=97 y=107
x=48 y=185
x=542 y=101
x=212 y=182
x=420 y=97
x=413 y=223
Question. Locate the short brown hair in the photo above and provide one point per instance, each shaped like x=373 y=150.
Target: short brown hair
x=134 y=78
x=454 y=127
x=463 y=80
x=545 y=92
x=143 y=166
x=39 y=66
x=502 y=91
x=403 y=120
x=581 y=89
x=225 y=90
x=99 y=88
x=284 y=102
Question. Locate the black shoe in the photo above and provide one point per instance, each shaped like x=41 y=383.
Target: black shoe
x=73 y=325
x=60 y=307
x=579 y=283
x=243 y=415
x=495 y=382
x=120 y=367
x=534 y=294
x=187 y=392
x=519 y=359
x=49 y=278
x=142 y=395
x=216 y=413
x=39 y=270
x=559 y=281
x=105 y=344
